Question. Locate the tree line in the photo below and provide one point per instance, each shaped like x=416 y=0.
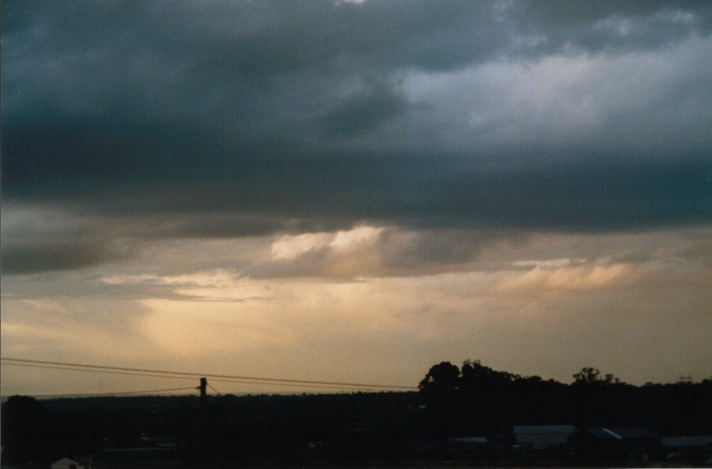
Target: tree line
x=476 y=398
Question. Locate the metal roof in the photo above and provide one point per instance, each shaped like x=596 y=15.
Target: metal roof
x=690 y=441
x=622 y=433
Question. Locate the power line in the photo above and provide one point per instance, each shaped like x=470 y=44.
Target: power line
x=309 y=386
x=192 y=375
x=233 y=380
x=213 y=388
x=120 y=393
x=67 y=368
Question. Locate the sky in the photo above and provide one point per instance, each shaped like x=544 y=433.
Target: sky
x=354 y=191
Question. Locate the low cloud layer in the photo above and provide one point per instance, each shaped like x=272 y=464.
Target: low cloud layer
x=636 y=305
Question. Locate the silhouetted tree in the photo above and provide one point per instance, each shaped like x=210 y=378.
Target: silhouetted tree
x=593 y=376
x=25 y=428
x=442 y=378
x=587 y=376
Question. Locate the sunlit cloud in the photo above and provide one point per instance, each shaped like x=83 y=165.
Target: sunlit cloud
x=549 y=263
x=130 y=279
x=290 y=247
x=592 y=276
x=351 y=239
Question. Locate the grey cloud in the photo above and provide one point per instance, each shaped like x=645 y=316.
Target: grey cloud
x=393 y=252
x=424 y=250
x=39 y=239
x=212 y=117
x=304 y=196
x=363 y=111
x=599 y=26
x=61 y=255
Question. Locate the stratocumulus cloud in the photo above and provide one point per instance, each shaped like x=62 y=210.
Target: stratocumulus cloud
x=330 y=113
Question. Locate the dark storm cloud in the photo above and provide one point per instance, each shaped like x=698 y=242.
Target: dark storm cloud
x=626 y=24
x=362 y=112
x=28 y=258
x=257 y=117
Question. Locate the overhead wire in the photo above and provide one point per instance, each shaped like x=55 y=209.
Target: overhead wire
x=291 y=385
x=67 y=368
x=119 y=393
x=232 y=381
x=157 y=373
x=213 y=388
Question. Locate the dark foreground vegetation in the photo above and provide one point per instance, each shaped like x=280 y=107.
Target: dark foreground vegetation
x=470 y=415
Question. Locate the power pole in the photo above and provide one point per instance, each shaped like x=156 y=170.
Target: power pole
x=203 y=392
x=201 y=440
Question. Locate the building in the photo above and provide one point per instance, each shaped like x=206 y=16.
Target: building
x=541 y=437
x=129 y=458
x=696 y=449
x=67 y=463
x=617 y=445
x=541 y=443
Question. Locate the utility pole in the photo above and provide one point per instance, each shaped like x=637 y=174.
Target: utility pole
x=201 y=439
x=203 y=394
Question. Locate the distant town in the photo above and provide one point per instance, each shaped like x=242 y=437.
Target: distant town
x=469 y=415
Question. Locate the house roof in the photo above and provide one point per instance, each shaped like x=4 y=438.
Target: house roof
x=80 y=461
x=622 y=433
x=688 y=441
x=543 y=436
x=470 y=439
x=543 y=429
